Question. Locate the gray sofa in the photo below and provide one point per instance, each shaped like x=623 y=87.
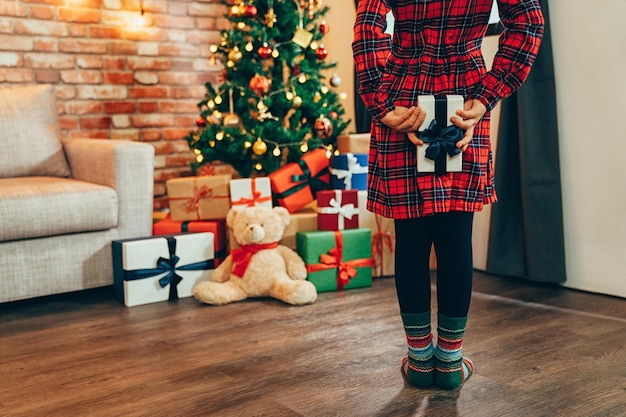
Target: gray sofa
x=62 y=202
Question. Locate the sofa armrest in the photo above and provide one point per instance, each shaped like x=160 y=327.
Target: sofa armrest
x=127 y=167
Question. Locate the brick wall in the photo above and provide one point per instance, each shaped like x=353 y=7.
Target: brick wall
x=113 y=77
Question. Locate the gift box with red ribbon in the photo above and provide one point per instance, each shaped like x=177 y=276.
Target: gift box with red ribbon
x=199 y=198
x=160 y=268
x=167 y=226
x=295 y=184
x=337 y=209
x=251 y=192
x=337 y=260
x=439 y=153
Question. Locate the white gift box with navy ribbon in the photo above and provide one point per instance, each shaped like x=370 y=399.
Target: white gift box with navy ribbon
x=153 y=269
x=439 y=153
x=348 y=171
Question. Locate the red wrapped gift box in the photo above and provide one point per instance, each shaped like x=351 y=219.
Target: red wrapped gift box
x=167 y=226
x=291 y=184
x=337 y=209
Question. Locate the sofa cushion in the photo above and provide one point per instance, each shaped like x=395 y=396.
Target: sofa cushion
x=29 y=133
x=33 y=207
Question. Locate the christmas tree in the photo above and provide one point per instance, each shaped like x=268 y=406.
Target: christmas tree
x=274 y=103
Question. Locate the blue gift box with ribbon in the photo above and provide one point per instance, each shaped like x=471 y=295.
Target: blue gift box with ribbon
x=348 y=171
x=439 y=153
x=160 y=268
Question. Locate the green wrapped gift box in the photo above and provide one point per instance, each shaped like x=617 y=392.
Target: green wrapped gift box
x=337 y=260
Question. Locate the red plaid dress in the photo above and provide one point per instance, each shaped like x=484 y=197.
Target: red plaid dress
x=436 y=49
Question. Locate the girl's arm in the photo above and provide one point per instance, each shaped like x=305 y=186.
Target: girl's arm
x=517 y=49
x=371 y=47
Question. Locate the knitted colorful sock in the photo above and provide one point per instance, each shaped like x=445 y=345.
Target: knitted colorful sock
x=451 y=367
x=419 y=365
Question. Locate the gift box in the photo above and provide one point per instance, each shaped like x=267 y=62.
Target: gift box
x=199 y=198
x=294 y=185
x=337 y=209
x=348 y=171
x=250 y=192
x=303 y=220
x=217 y=168
x=337 y=260
x=167 y=226
x=153 y=269
x=439 y=153
x=355 y=143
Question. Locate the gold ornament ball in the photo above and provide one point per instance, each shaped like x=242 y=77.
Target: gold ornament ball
x=235 y=55
x=232 y=120
x=297 y=102
x=259 y=147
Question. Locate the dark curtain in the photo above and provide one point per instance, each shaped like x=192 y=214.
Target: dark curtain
x=526 y=230
x=362 y=117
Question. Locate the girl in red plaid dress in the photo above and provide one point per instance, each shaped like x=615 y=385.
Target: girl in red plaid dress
x=436 y=50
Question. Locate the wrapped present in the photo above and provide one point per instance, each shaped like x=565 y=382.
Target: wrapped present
x=337 y=260
x=337 y=209
x=250 y=192
x=153 y=269
x=355 y=143
x=439 y=153
x=303 y=220
x=199 y=198
x=295 y=184
x=348 y=171
x=217 y=168
x=167 y=226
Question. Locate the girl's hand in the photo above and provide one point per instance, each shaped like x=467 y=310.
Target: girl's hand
x=407 y=120
x=473 y=111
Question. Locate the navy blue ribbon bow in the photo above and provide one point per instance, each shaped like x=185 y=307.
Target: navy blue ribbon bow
x=441 y=140
x=168 y=266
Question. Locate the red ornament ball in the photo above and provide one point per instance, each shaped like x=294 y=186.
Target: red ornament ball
x=324 y=28
x=321 y=52
x=333 y=115
x=260 y=84
x=323 y=127
x=265 y=51
x=200 y=121
x=249 y=10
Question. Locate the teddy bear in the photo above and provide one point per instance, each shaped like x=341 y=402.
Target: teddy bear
x=261 y=266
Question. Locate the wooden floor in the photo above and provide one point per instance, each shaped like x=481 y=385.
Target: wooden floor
x=539 y=351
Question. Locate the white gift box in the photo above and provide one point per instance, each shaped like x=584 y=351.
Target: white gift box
x=251 y=192
x=439 y=109
x=152 y=269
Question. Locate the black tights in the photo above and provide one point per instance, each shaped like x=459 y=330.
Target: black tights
x=452 y=235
